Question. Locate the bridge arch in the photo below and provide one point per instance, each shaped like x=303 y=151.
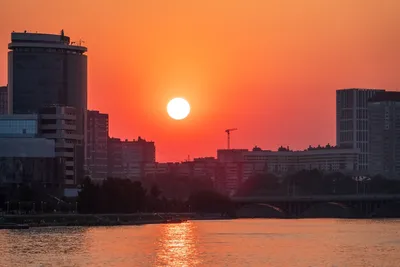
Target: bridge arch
x=260 y=210
x=330 y=210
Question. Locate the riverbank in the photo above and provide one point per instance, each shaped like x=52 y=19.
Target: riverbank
x=45 y=220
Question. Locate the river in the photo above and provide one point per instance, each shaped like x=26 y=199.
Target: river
x=258 y=242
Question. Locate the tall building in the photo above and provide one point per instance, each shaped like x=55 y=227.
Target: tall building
x=59 y=124
x=48 y=69
x=126 y=159
x=135 y=153
x=352 y=121
x=139 y=150
x=384 y=134
x=3 y=100
x=97 y=135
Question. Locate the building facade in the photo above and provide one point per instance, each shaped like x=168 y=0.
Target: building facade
x=352 y=121
x=126 y=159
x=325 y=159
x=47 y=69
x=114 y=158
x=96 y=145
x=59 y=124
x=384 y=131
x=231 y=155
x=135 y=153
x=29 y=160
x=236 y=166
x=3 y=100
x=21 y=125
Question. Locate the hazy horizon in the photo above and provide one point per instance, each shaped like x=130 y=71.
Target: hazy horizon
x=269 y=69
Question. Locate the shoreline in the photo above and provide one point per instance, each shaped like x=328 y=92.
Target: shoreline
x=50 y=220
x=87 y=220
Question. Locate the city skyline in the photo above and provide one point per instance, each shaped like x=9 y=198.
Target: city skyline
x=241 y=72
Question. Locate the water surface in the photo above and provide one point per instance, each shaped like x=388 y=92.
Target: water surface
x=270 y=243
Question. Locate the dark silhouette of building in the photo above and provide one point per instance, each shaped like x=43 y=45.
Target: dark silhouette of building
x=114 y=155
x=352 y=121
x=59 y=124
x=47 y=69
x=28 y=159
x=97 y=135
x=127 y=158
x=384 y=134
x=3 y=100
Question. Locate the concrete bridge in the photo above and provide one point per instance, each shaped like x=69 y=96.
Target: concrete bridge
x=297 y=206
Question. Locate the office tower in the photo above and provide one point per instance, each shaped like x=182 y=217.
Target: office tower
x=3 y=100
x=352 y=121
x=97 y=135
x=384 y=135
x=59 y=124
x=48 y=69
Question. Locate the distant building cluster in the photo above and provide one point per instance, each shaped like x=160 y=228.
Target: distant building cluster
x=49 y=137
x=368 y=143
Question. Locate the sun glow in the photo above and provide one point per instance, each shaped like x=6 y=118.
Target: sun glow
x=178 y=108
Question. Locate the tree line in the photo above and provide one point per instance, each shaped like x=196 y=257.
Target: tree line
x=125 y=196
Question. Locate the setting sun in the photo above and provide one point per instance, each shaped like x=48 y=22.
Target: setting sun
x=178 y=108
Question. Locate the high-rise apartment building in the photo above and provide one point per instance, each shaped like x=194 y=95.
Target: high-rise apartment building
x=352 y=121
x=59 y=124
x=114 y=155
x=139 y=150
x=96 y=145
x=127 y=158
x=384 y=134
x=3 y=100
x=48 y=69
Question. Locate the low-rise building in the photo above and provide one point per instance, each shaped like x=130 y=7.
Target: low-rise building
x=30 y=161
x=326 y=159
x=236 y=165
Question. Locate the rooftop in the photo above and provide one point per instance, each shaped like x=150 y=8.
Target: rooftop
x=386 y=96
x=361 y=89
x=44 y=40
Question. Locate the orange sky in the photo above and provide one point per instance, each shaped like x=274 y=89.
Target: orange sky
x=269 y=68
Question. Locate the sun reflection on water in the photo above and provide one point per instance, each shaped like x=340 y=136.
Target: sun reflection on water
x=177 y=246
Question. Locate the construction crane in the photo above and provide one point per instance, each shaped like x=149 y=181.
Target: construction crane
x=228 y=132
